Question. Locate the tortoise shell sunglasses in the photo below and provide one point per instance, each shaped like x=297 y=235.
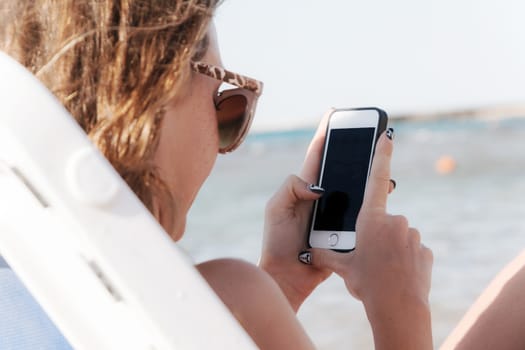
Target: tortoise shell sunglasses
x=234 y=107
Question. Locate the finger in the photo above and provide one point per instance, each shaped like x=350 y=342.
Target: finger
x=428 y=254
x=312 y=161
x=414 y=236
x=326 y=259
x=293 y=190
x=379 y=182
x=392 y=186
x=399 y=223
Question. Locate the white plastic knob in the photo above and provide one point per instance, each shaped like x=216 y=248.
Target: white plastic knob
x=89 y=180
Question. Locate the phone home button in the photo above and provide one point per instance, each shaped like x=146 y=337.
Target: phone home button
x=333 y=239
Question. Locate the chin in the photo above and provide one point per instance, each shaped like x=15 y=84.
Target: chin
x=178 y=229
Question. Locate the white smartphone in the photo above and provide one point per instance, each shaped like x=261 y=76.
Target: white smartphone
x=349 y=147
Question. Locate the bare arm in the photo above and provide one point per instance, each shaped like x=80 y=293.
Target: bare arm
x=497 y=319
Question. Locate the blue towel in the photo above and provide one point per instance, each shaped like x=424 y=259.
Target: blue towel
x=24 y=325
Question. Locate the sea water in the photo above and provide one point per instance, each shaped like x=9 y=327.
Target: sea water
x=473 y=218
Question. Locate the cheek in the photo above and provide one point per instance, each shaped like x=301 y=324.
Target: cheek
x=201 y=148
x=201 y=135
x=188 y=147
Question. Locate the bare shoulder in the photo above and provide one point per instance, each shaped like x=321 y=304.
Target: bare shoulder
x=244 y=287
x=257 y=302
x=235 y=274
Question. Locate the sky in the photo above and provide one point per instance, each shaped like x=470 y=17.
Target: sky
x=405 y=56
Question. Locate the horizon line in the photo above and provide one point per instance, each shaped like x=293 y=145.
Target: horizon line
x=489 y=112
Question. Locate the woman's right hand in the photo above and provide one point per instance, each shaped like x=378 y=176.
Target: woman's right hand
x=389 y=270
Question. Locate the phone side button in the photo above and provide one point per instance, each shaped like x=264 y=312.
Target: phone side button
x=333 y=239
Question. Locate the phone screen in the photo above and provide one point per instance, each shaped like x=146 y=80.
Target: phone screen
x=344 y=178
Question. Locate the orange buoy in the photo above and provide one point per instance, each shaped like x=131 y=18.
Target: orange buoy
x=445 y=165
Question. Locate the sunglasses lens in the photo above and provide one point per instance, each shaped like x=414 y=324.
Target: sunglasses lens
x=232 y=116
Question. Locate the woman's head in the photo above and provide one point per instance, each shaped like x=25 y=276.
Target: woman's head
x=142 y=79
x=207 y=119
x=115 y=65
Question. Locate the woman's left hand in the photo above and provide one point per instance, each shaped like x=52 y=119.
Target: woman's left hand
x=285 y=229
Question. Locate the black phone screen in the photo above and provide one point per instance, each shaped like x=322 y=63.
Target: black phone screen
x=344 y=178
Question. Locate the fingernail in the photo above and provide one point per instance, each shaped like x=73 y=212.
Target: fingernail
x=390 y=133
x=305 y=257
x=393 y=183
x=316 y=189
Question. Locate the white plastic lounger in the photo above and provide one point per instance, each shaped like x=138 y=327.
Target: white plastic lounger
x=93 y=257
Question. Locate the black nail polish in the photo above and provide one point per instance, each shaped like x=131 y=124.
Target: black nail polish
x=394 y=183
x=316 y=189
x=305 y=257
x=390 y=133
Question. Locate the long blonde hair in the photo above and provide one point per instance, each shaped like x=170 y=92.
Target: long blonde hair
x=113 y=64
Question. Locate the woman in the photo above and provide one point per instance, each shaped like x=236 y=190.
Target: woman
x=142 y=79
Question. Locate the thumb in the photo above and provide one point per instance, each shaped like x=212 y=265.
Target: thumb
x=327 y=259
x=293 y=191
